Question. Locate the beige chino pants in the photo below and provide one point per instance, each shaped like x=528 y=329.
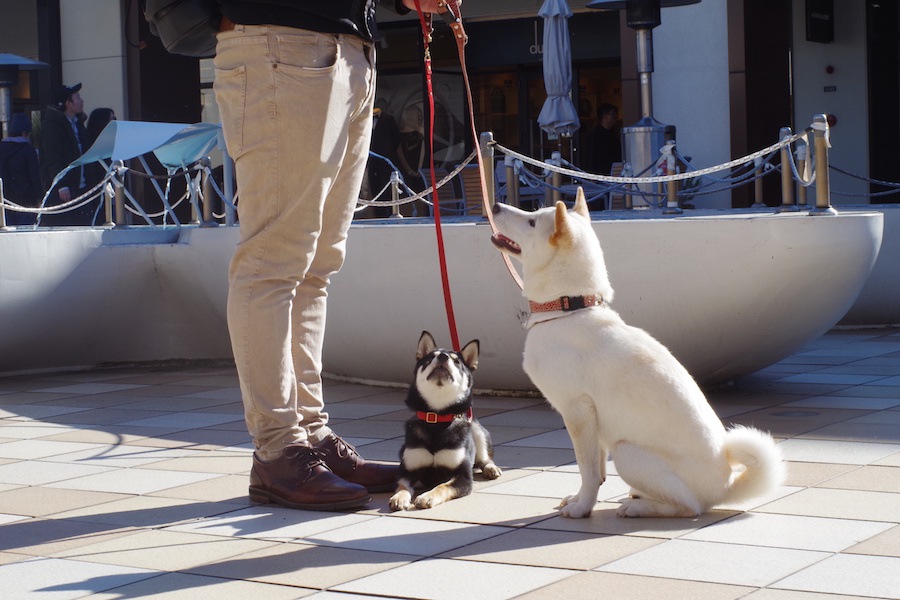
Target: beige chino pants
x=296 y=111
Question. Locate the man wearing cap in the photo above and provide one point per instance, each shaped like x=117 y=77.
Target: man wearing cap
x=19 y=170
x=63 y=139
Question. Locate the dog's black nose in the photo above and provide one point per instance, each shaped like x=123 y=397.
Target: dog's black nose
x=496 y=208
x=442 y=358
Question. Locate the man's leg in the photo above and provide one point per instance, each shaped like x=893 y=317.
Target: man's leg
x=284 y=97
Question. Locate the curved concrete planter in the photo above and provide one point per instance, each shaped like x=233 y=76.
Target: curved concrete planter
x=728 y=293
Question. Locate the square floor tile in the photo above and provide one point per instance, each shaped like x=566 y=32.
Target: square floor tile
x=5 y=518
x=228 y=488
x=90 y=388
x=806 y=474
x=298 y=564
x=272 y=523
x=883 y=544
x=132 y=481
x=552 y=439
x=839 y=504
x=183 y=586
x=30 y=430
x=557 y=549
x=598 y=586
x=42 y=501
x=31 y=449
x=483 y=509
x=163 y=550
x=184 y=420
x=714 y=562
x=456 y=580
x=605 y=521
x=870 y=478
x=855 y=453
x=557 y=485
x=858 y=575
x=55 y=578
x=37 y=472
x=417 y=537
x=147 y=511
x=787 y=531
x=848 y=402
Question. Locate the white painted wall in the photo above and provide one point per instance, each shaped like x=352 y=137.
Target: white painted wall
x=690 y=85
x=93 y=52
x=847 y=54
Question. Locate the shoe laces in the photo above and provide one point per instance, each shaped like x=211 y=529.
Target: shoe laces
x=344 y=449
x=307 y=459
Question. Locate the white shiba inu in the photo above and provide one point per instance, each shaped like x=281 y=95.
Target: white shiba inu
x=618 y=389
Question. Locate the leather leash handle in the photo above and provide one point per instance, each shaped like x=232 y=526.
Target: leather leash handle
x=459 y=33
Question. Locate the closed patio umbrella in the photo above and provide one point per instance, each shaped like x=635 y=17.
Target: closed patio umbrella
x=558 y=115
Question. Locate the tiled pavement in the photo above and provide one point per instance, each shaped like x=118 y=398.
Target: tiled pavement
x=132 y=483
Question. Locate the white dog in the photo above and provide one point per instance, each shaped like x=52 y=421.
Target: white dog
x=619 y=390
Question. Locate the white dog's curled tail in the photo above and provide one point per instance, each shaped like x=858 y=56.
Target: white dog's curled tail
x=763 y=465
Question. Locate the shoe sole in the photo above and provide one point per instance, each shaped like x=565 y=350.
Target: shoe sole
x=263 y=497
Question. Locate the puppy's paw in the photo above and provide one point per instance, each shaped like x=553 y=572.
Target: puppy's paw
x=402 y=500
x=428 y=500
x=491 y=471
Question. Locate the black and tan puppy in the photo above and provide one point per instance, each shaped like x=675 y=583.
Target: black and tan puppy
x=443 y=442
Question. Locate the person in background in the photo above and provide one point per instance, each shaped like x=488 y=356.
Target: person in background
x=19 y=170
x=64 y=139
x=604 y=141
x=385 y=142
x=97 y=122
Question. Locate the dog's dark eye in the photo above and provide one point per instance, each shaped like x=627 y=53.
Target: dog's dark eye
x=531 y=222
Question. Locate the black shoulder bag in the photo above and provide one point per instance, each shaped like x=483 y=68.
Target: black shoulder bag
x=187 y=27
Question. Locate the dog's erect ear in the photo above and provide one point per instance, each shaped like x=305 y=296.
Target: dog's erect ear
x=581 y=206
x=470 y=354
x=426 y=345
x=561 y=224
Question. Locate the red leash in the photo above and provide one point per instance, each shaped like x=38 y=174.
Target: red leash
x=425 y=21
x=453 y=16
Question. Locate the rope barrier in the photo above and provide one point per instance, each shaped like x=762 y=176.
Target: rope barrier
x=744 y=169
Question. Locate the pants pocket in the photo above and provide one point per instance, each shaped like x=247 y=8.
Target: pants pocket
x=231 y=95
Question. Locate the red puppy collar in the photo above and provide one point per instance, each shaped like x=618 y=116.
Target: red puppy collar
x=431 y=417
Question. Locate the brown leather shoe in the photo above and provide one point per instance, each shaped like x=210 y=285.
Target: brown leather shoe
x=345 y=461
x=300 y=479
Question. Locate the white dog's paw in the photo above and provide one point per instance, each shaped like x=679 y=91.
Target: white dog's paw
x=491 y=471
x=402 y=500
x=573 y=508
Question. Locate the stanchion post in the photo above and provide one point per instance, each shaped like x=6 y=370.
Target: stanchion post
x=628 y=198
x=2 y=208
x=208 y=193
x=395 y=194
x=3 y=224
x=672 y=207
x=108 y=198
x=802 y=202
x=758 y=184
x=512 y=181
x=787 y=177
x=487 y=157
x=556 y=178
x=823 y=184
x=119 y=186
